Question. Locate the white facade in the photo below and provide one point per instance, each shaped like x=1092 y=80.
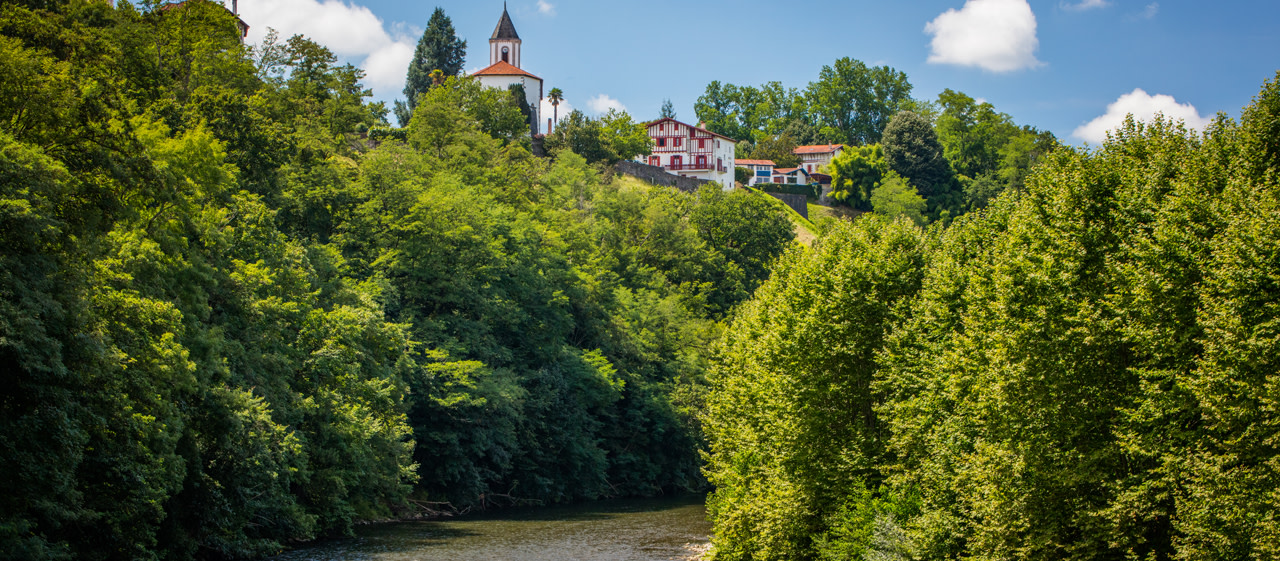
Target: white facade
x=814 y=158
x=761 y=170
x=532 y=88
x=505 y=50
x=791 y=176
x=685 y=150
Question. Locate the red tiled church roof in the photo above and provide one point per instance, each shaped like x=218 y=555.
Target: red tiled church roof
x=502 y=68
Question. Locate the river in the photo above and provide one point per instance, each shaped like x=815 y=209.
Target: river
x=623 y=530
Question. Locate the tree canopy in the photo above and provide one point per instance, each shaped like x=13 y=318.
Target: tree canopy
x=1081 y=371
x=239 y=311
x=439 y=49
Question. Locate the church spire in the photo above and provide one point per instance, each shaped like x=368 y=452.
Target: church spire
x=504 y=46
x=505 y=29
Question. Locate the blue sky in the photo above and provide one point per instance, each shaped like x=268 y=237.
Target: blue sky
x=1069 y=66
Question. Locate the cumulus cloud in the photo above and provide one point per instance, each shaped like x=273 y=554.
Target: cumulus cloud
x=547 y=110
x=603 y=103
x=1151 y=10
x=1085 y=5
x=1144 y=107
x=351 y=31
x=995 y=35
x=546 y=8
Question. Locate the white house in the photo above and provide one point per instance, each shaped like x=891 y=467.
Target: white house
x=761 y=170
x=814 y=158
x=792 y=176
x=689 y=151
x=504 y=68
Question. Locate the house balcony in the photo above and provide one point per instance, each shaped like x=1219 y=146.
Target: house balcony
x=690 y=167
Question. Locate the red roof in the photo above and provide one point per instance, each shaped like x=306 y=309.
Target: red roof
x=818 y=149
x=755 y=162
x=502 y=68
x=652 y=123
x=787 y=171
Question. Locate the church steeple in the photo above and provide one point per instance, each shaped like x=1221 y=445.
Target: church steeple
x=504 y=45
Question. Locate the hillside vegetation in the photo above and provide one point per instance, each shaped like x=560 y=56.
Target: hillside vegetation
x=236 y=312
x=1086 y=369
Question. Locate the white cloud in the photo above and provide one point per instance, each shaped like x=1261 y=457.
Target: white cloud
x=1143 y=107
x=1085 y=5
x=546 y=8
x=995 y=35
x=603 y=103
x=385 y=69
x=547 y=110
x=1151 y=10
x=351 y=31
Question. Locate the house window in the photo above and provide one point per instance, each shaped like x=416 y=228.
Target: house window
x=677 y=162
x=655 y=160
x=662 y=143
x=676 y=143
x=702 y=143
x=702 y=162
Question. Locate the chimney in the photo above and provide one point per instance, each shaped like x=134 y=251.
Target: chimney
x=235 y=7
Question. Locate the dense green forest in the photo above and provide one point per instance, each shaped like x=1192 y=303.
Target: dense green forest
x=1086 y=369
x=240 y=311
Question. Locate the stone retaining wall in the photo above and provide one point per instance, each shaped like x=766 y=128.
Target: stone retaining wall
x=659 y=176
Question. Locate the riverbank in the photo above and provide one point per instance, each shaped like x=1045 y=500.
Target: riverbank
x=616 y=530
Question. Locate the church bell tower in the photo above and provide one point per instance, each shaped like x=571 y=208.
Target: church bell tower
x=504 y=46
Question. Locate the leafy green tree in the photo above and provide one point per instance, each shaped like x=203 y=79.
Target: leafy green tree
x=791 y=417
x=895 y=197
x=853 y=103
x=441 y=49
x=779 y=149
x=746 y=229
x=856 y=173
x=748 y=113
x=986 y=150
x=610 y=139
x=625 y=138
x=912 y=150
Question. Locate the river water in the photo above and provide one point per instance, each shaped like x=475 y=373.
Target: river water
x=624 y=530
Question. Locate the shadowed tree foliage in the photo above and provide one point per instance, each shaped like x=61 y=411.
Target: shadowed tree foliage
x=233 y=318
x=912 y=150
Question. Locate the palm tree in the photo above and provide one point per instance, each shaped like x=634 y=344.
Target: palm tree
x=556 y=96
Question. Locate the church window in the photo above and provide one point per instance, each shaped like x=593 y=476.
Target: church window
x=505 y=53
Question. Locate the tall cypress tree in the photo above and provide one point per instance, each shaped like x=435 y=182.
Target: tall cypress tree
x=438 y=49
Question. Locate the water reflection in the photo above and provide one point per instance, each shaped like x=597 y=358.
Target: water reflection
x=632 y=530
